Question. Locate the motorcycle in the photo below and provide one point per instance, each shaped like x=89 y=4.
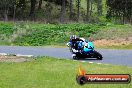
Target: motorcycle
x=87 y=51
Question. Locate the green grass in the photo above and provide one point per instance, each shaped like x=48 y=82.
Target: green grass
x=46 y=72
x=114 y=32
x=39 y=34
x=6 y=30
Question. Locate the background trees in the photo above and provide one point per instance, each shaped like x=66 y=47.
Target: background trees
x=62 y=11
x=78 y=10
x=67 y=10
x=40 y=4
x=120 y=10
x=99 y=7
x=32 y=9
x=5 y=8
x=88 y=10
x=70 y=8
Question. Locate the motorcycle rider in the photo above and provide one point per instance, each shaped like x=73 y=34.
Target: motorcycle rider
x=82 y=48
x=76 y=43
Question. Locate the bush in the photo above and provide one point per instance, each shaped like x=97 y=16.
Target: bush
x=48 y=34
x=6 y=29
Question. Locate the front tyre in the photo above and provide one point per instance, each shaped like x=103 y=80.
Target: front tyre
x=74 y=56
x=98 y=55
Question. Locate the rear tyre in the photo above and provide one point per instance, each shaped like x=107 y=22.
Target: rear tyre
x=98 y=55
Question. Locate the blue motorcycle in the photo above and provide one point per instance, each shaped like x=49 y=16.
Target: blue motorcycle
x=86 y=50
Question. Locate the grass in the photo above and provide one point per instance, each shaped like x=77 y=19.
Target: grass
x=114 y=32
x=120 y=34
x=116 y=47
x=39 y=34
x=47 y=72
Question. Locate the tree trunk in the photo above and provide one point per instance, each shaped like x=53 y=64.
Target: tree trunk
x=131 y=19
x=32 y=9
x=78 y=10
x=40 y=4
x=88 y=13
x=6 y=15
x=71 y=8
x=62 y=11
x=14 y=13
x=91 y=7
x=99 y=7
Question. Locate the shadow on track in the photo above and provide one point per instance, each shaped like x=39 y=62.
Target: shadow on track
x=86 y=59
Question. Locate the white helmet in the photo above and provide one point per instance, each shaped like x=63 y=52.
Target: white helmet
x=73 y=37
x=83 y=39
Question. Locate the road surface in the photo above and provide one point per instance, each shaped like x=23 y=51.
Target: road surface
x=110 y=56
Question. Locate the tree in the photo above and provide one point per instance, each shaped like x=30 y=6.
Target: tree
x=5 y=6
x=120 y=9
x=78 y=10
x=20 y=7
x=57 y=2
x=91 y=7
x=62 y=11
x=40 y=4
x=32 y=8
x=88 y=10
x=48 y=12
x=71 y=8
x=99 y=7
x=22 y=4
x=14 y=11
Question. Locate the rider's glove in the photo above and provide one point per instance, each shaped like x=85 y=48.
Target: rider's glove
x=68 y=44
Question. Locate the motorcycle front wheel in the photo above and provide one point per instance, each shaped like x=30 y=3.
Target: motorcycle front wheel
x=98 y=55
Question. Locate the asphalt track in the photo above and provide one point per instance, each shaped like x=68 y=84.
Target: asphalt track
x=110 y=56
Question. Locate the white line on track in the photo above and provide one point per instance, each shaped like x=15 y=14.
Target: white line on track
x=90 y=62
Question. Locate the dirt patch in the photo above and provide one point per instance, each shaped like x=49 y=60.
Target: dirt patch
x=113 y=42
x=13 y=59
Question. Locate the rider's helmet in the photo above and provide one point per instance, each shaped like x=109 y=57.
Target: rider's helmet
x=73 y=37
x=83 y=39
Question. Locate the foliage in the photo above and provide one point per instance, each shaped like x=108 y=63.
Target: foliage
x=120 y=9
x=43 y=34
x=38 y=34
x=28 y=10
x=6 y=29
